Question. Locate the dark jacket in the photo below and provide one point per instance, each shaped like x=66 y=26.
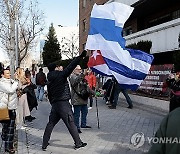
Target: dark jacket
x=41 y=79
x=31 y=96
x=58 y=87
x=78 y=83
x=174 y=85
x=169 y=128
x=109 y=86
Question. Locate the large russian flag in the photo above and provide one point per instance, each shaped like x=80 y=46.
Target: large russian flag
x=128 y=66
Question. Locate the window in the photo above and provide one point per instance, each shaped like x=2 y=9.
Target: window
x=84 y=3
x=159 y=20
x=84 y=25
x=176 y=14
x=84 y=45
x=127 y=31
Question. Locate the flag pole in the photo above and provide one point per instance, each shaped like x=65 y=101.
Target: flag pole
x=97 y=112
x=112 y=86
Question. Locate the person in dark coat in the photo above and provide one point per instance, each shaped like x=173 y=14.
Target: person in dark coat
x=40 y=82
x=108 y=87
x=31 y=96
x=59 y=96
x=173 y=83
x=167 y=136
x=115 y=94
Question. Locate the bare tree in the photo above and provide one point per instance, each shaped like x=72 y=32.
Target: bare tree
x=69 y=46
x=9 y=11
x=30 y=24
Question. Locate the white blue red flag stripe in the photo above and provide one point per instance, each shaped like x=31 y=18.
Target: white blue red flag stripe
x=128 y=66
x=98 y=65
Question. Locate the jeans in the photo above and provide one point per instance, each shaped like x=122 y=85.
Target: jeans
x=83 y=110
x=117 y=90
x=40 y=92
x=61 y=110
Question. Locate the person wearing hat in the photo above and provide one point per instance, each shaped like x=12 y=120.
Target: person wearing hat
x=59 y=96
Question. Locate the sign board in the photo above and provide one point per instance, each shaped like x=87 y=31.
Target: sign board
x=154 y=83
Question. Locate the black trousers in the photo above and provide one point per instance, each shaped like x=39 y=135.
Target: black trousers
x=61 y=110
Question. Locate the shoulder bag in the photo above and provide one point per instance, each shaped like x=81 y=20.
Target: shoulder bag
x=4 y=113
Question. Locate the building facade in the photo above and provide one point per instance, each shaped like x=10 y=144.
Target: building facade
x=151 y=20
x=85 y=7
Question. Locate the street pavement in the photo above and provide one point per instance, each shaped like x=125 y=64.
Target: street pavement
x=113 y=137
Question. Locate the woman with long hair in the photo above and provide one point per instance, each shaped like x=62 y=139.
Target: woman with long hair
x=23 y=108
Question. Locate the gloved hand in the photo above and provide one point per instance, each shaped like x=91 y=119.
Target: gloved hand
x=97 y=94
x=83 y=54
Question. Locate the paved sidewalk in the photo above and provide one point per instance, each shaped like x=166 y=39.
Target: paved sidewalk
x=116 y=128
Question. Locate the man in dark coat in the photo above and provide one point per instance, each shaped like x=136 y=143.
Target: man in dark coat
x=167 y=137
x=173 y=82
x=59 y=95
x=40 y=82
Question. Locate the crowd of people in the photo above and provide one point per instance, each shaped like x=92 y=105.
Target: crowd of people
x=66 y=88
x=17 y=93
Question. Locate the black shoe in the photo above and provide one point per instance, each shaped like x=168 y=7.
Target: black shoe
x=112 y=107
x=33 y=117
x=29 y=118
x=44 y=148
x=10 y=151
x=80 y=146
x=130 y=107
x=79 y=131
x=86 y=127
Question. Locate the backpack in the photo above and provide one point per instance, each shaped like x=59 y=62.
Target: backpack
x=82 y=92
x=41 y=79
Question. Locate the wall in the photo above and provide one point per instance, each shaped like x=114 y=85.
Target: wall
x=164 y=37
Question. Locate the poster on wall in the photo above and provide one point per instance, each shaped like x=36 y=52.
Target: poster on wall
x=154 y=83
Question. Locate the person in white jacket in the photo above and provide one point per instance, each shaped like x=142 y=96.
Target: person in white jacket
x=8 y=97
